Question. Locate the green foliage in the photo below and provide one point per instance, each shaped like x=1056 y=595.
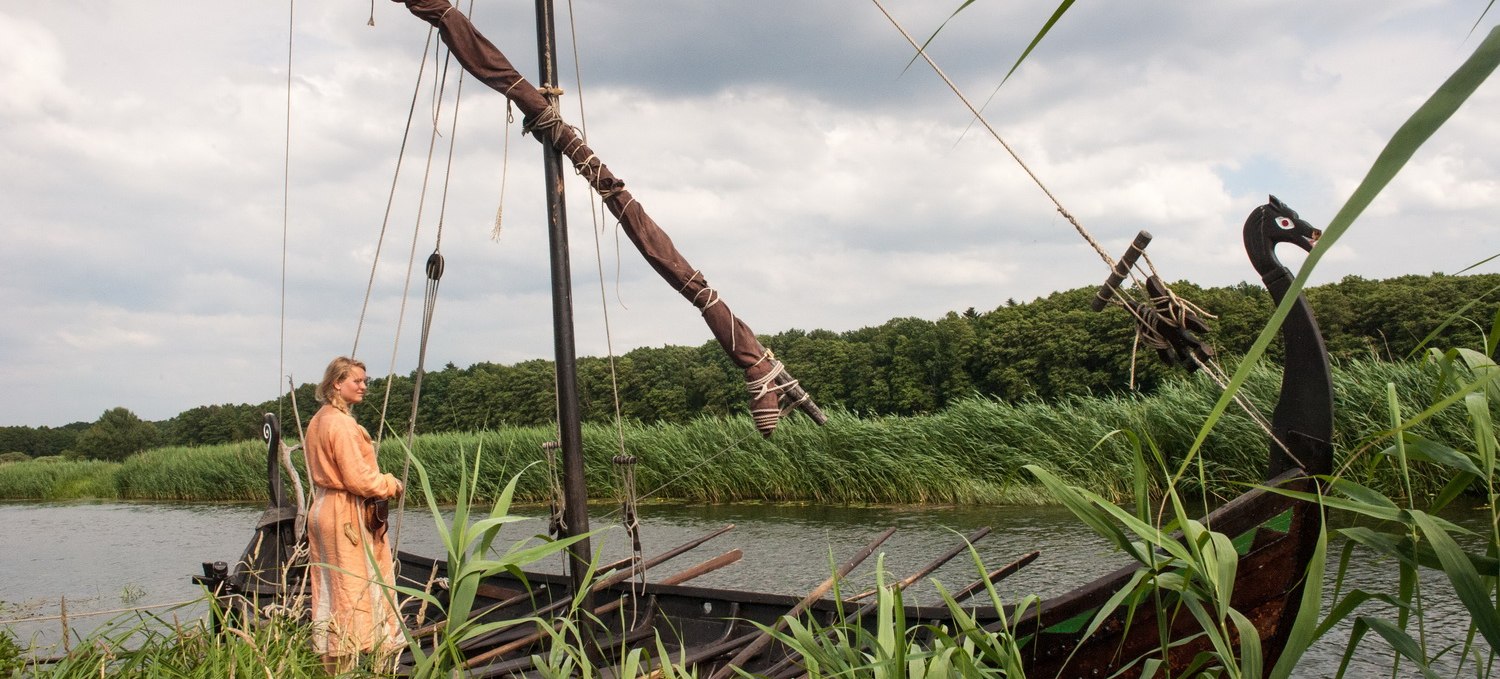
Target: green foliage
x=56 y=478
x=470 y=560
x=13 y=457
x=1052 y=348
x=972 y=452
x=41 y=441
x=141 y=645
x=227 y=472
x=215 y=424
x=10 y=654
x=117 y=434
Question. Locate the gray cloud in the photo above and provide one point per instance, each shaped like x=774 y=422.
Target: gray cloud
x=141 y=172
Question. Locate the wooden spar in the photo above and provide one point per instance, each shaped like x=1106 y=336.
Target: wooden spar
x=761 y=638
x=660 y=558
x=1122 y=269
x=708 y=566
x=899 y=586
x=937 y=563
x=996 y=575
x=704 y=568
x=764 y=374
x=600 y=585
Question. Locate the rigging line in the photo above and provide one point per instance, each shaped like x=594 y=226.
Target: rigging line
x=624 y=465
x=439 y=86
x=429 y=303
x=391 y=196
x=597 y=218
x=510 y=117
x=980 y=117
x=286 y=182
x=1249 y=409
x=711 y=458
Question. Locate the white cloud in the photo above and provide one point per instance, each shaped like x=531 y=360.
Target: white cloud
x=782 y=146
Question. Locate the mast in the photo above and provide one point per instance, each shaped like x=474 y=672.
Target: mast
x=570 y=429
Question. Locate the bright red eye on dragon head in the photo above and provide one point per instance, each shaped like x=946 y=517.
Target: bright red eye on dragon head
x=1283 y=222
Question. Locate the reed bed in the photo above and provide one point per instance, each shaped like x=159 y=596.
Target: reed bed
x=228 y=472
x=58 y=479
x=971 y=453
x=145 y=645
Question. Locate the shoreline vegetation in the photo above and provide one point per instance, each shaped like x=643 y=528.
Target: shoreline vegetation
x=972 y=452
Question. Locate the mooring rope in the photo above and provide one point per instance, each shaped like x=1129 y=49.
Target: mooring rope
x=1211 y=366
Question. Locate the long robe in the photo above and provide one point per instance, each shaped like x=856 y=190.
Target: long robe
x=350 y=595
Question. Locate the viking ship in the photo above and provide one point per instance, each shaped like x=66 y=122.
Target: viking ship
x=715 y=632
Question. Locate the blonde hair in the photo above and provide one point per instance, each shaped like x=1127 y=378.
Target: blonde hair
x=338 y=369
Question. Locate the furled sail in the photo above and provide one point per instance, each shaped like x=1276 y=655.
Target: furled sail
x=765 y=376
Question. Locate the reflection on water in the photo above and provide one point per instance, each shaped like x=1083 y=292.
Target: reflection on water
x=108 y=556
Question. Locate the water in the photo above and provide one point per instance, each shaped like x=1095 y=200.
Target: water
x=111 y=556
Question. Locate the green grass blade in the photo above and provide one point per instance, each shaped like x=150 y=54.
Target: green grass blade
x=1467 y=584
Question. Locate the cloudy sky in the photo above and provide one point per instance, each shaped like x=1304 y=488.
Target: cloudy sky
x=782 y=144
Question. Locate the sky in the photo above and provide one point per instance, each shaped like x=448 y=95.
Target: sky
x=193 y=195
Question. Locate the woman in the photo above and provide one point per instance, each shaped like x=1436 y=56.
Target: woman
x=352 y=568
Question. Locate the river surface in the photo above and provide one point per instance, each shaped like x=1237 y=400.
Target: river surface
x=110 y=556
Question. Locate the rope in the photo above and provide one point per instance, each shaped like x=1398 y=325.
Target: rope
x=286 y=183
x=510 y=117
x=391 y=196
x=556 y=521
x=429 y=305
x=116 y=611
x=1175 y=302
x=434 y=270
x=624 y=462
x=980 y=117
x=438 y=87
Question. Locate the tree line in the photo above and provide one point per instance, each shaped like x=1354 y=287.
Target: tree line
x=1046 y=349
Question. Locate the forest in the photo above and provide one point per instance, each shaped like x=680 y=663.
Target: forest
x=1039 y=351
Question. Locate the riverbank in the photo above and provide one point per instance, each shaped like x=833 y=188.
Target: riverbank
x=970 y=453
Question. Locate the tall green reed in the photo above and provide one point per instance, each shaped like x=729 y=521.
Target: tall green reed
x=470 y=559
x=973 y=452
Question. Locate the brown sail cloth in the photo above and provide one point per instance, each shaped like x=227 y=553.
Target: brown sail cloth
x=765 y=376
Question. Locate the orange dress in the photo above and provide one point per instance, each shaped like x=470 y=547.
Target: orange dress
x=352 y=570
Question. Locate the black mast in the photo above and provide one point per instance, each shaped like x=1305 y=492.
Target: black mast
x=575 y=491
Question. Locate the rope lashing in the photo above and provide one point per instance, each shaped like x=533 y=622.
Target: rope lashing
x=556 y=523
x=629 y=503
x=765 y=394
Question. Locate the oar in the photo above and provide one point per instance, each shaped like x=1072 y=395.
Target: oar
x=899 y=586
x=996 y=575
x=763 y=638
x=937 y=563
x=613 y=579
x=709 y=566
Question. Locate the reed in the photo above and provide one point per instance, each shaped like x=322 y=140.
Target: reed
x=58 y=479
x=228 y=472
x=971 y=453
x=144 y=645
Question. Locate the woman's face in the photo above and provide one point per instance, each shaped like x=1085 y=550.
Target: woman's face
x=352 y=387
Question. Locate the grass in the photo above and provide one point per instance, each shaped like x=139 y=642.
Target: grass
x=971 y=453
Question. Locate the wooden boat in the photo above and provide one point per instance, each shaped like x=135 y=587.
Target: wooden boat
x=714 y=630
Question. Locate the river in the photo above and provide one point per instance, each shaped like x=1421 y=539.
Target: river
x=112 y=556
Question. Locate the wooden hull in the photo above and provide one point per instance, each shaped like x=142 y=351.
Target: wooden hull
x=707 y=627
